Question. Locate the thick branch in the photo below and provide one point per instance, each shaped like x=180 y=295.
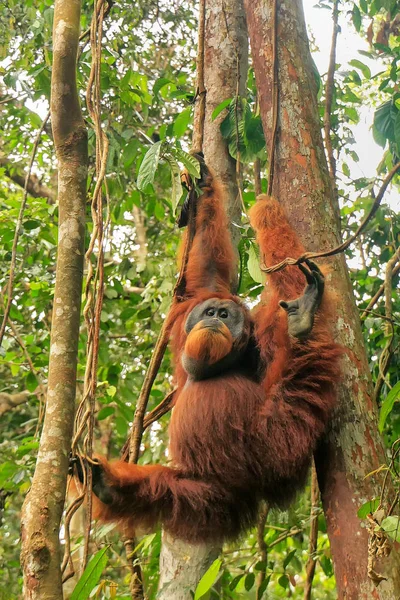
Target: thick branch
x=10 y=401
x=16 y=172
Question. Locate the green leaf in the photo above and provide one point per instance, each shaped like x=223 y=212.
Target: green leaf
x=367 y=508
x=261 y=589
x=345 y=169
x=397 y=132
x=121 y=426
x=379 y=138
x=249 y=581
x=144 y=543
x=289 y=558
x=383 y=120
x=392 y=527
x=159 y=84
x=387 y=405
x=365 y=70
x=91 y=575
x=218 y=109
x=208 y=579
x=130 y=152
x=326 y=565
x=105 y=412
x=149 y=166
x=27 y=447
x=356 y=17
x=31 y=224
x=7 y=471
x=182 y=121
x=111 y=391
x=253 y=266
x=189 y=161
x=31 y=382
x=284 y=581
x=176 y=185
x=233 y=584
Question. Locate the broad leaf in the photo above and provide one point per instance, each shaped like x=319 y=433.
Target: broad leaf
x=356 y=17
x=384 y=120
x=218 y=109
x=392 y=527
x=365 y=70
x=91 y=575
x=149 y=166
x=189 y=161
x=387 y=405
x=253 y=265
x=176 y=185
x=182 y=121
x=367 y=508
x=208 y=579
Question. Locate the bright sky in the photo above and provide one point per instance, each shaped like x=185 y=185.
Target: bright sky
x=349 y=43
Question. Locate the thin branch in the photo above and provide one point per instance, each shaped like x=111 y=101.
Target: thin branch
x=378 y=294
x=10 y=289
x=376 y=314
x=307 y=255
x=263 y=548
x=387 y=352
x=257 y=177
x=284 y=536
x=160 y=410
x=312 y=546
x=329 y=88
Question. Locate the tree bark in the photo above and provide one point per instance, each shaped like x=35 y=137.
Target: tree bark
x=353 y=447
x=44 y=503
x=225 y=75
x=182 y=566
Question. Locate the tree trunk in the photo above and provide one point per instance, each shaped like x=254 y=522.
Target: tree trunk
x=225 y=75
x=44 y=503
x=353 y=447
x=182 y=566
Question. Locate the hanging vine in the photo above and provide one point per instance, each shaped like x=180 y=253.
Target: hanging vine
x=94 y=289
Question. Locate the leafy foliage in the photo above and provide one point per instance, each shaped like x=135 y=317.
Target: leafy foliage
x=148 y=90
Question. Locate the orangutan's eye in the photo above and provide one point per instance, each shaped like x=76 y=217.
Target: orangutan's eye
x=223 y=313
x=210 y=312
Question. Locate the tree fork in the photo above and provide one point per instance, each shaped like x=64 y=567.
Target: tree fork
x=353 y=447
x=43 y=506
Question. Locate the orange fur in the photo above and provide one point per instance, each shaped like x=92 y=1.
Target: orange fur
x=211 y=259
x=247 y=433
x=208 y=345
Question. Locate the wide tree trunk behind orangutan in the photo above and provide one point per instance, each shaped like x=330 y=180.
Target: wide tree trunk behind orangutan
x=353 y=448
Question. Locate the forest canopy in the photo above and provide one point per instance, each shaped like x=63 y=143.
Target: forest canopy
x=140 y=121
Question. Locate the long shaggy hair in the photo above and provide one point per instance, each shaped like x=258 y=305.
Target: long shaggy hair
x=248 y=433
